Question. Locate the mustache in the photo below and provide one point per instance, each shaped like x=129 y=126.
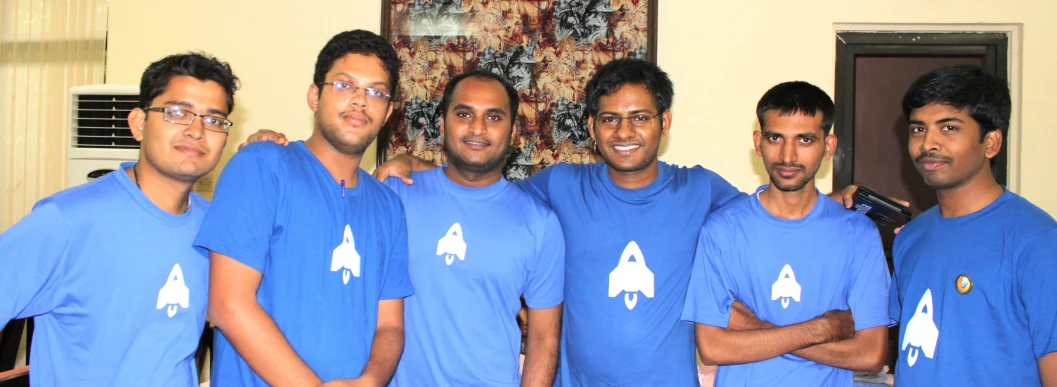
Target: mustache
x=788 y=165
x=479 y=139
x=931 y=155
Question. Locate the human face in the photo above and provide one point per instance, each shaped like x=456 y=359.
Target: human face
x=628 y=148
x=946 y=148
x=477 y=126
x=183 y=153
x=350 y=122
x=793 y=147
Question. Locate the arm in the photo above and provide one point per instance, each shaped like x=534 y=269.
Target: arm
x=864 y=351
x=541 y=352
x=720 y=346
x=1036 y=290
x=234 y=310
x=401 y=166
x=33 y=264
x=1048 y=369
x=388 y=344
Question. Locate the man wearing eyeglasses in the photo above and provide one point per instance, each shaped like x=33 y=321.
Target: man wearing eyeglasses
x=107 y=268
x=308 y=253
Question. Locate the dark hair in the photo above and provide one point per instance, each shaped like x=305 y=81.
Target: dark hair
x=619 y=72
x=789 y=98
x=358 y=42
x=986 y=96
x=201 y=66
x=511 y=93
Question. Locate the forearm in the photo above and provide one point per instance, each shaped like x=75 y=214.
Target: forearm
x=386 y=348
x=865 y=351
x=719 y=346
x=541 y=347
x=254 y=335
x=419 y=164
x=541 y=360
x=1048 y=369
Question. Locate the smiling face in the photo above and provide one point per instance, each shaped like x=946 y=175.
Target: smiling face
x=478 y=126
x=350 y=121
x=183 y=153
x=628 y=129
x=946 y=148
x=793 y=147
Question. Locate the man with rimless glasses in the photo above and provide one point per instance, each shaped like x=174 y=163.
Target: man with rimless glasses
x=308 y=253
x=107 y=268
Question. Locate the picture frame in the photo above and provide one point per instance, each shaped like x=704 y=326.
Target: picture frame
x=548 y=49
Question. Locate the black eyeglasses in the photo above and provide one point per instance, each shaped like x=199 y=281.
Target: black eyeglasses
x=179 y=116
x=636 y=120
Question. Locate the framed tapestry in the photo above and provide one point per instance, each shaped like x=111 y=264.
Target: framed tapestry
x=548 y=49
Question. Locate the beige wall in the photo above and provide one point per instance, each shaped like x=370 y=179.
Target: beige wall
x=721 y=55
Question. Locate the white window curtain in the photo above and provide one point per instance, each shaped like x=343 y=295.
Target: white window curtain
x=46 y=47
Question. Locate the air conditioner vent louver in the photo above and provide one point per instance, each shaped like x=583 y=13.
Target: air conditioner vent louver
x=101 y=121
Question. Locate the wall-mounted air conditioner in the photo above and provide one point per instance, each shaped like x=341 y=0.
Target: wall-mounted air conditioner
x=99 y=136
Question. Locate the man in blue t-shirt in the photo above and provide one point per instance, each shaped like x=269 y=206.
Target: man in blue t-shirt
x=308 y=253
x=631 y=226
x=477 y=244
x=107 y=269
x=776 y=273
x=973 y=285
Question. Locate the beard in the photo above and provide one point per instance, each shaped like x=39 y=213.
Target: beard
x=343 y=142
x=796 y=185
x=460 y=163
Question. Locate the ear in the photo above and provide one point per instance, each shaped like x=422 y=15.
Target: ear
x=831 y=147
x=313 y=98
x=591 y=129
x=136 y=119
x=389 y=112
x=667 y=122
x=993 y=143
x=757 y=138
x=514 y=132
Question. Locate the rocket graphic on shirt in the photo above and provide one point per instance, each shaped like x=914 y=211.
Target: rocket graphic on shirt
x=452 y=245
x=921 y=333
x=174 y=294
x=631 y=276
x=345 y=257
x=786 y=288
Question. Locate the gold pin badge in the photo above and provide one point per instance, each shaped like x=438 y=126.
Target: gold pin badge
x=963 y=284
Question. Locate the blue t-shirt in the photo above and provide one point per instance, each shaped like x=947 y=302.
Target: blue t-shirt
x=787 y=272
x=117 y=291
x=975 y=296
x=326 y=254
x=628 y=255
x=474 y=252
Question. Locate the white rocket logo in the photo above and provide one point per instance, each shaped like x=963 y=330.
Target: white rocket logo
x=452 y=245
x=786 y=287
x=174 y=293
x=631 y=276
x=921 y=332
x=345 y=257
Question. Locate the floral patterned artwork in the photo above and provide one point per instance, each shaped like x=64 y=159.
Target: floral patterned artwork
x=548 y=49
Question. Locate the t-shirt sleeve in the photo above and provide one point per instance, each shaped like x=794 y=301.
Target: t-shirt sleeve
x=397 y=280
x=32 y=255
x=1038 y=291
x=546 y=272
x=241 y=218
x=538 y=185
x=895 y=304
x=722 y=191
x=869 y=290
x=710 y=295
